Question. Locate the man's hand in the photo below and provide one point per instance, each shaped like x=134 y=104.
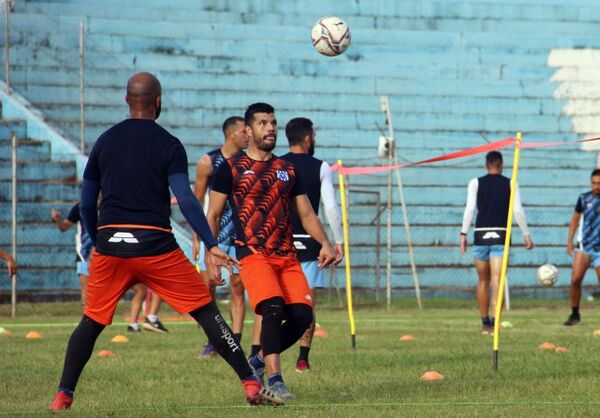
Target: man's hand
x=195 y=248
x=339 y=251
x=327 y=256
x=12 y=266
x=528 y=242
x=570 y=249
x=55 y=215
x=215 y=259
x=463 y=244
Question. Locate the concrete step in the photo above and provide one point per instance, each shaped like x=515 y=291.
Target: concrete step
x=39 y=191
x=38 y=233
x=27 y=149
x=28 y=212
x=155 y=9
x=36 y=279
x=40 y=170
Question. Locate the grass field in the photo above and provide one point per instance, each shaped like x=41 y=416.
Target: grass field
x=160 y=375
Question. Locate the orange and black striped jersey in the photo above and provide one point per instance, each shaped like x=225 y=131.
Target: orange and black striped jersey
x=259 y=194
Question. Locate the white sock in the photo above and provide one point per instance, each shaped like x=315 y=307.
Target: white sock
x=134 y=326
x=152 y=318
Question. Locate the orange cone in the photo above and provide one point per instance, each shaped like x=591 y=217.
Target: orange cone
x=431 y=376
x=547 y=346
x=106 y=353
x=407 y=337
x=33 y=335
x=561 y=349
x=120 y=339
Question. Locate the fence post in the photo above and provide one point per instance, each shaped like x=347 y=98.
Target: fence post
x=13 y=297
x=7 y=45
x=81 y=89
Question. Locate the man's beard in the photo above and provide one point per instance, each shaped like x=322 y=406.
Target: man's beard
x=266 y=146
x=311 y=149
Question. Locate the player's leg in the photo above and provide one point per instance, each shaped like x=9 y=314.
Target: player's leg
x=581 y=262
x=109 y=279
x=297 y=311
x=208 y=350
x=176 y=281
x=152 y=323
x=139 y=294
x=256 y=330
x=314 y=275
x=82 y=270
x=237 y=307
x=482 y=266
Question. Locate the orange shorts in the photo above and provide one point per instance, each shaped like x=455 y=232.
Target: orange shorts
x=270 y=276
x=171 y=275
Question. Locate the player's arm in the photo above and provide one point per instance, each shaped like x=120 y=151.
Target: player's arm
x=332 y=211
x=520 y=218
x=573 y=225
x=192 y=211
x=62 y=224
x=470 y=208
x=10 y=263
x=311 y=223
x=203 y=170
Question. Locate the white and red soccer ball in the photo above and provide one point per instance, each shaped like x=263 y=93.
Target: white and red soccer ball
x=330 y=36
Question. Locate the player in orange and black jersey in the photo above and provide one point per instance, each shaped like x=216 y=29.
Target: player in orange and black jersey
x=260 y=188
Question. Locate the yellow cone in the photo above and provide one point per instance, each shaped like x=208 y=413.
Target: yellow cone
x=120 y=339
x=407 y=337
x=431 y=376
x=33 y=335
x=597 y=332
x=547 y=346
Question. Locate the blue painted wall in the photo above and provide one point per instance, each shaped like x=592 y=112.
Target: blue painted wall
x=458 y=73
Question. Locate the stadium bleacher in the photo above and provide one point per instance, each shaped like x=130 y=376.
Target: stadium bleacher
x=458 y=73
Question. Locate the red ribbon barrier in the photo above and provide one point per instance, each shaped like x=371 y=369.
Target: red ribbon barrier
x=502 y=143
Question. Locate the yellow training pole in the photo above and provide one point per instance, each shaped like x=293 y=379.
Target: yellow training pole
x=347 y=256
x=509 y=222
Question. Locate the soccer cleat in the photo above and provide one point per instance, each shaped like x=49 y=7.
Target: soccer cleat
x=264 y=397
x=209 y=351
x=573 y=319
x=155 y=326
x=132 y=329
x=61 y=401
x=302 y=366
x=487 y=330
x=281 y=390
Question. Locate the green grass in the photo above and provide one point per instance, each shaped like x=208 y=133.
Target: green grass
x=159 y=375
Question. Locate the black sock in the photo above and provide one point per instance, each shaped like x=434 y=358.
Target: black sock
x=79 y=351
x=220 y=336
x=299 y=317
x=575 y=311
x=254 y=350
x=485 y=320
x=238 y=337
x=303 y=353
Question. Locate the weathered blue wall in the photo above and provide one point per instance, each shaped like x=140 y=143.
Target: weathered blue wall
x=457 y=72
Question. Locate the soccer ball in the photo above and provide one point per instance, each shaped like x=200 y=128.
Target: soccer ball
x=330 y=36
x=547 y=275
